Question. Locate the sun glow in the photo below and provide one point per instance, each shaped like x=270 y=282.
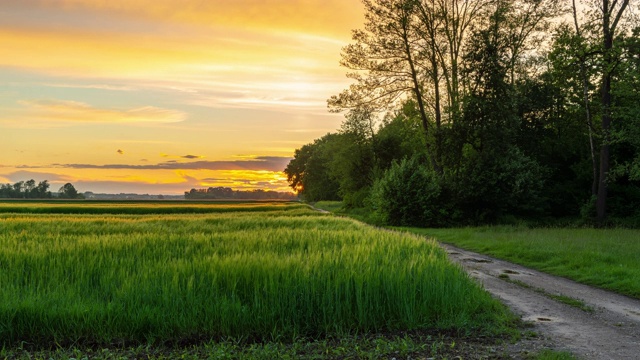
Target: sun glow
x=93 y=92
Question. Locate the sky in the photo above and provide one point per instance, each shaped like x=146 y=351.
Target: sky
x=162 y=96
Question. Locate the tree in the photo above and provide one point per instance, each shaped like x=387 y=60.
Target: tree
x=490 y=121
x=611 y=15
x=353 y=157
x=492 y=177
x=42 y=190
x=17 y=189
x=385 y=62
x=29 y=187
x=308 y=173
x=628 y=106
x=68 y=191
x=398 y=137
x=582 y=57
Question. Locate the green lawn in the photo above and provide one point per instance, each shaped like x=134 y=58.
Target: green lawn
x=606 y=258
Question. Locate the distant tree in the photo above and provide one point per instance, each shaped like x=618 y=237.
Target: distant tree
x=6 y=190
x=17 y=189
x=228 y=193
x=25 y=189
x=68 y=191
x=42 y=190
x=29 y=187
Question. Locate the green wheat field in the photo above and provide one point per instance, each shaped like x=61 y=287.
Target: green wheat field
x=105 y=273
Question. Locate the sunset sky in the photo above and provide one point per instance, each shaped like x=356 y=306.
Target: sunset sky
x=161 y=96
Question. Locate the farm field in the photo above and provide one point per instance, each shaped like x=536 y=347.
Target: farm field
x=156 y=273
x=605 y=258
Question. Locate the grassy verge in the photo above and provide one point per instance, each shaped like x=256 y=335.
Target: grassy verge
x=579 y=304
x=257 y=275
x=331 y=206
x=606 y=258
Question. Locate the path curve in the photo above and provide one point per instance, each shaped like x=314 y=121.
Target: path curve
x=611 y=330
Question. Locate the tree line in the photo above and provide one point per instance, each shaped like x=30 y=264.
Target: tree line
x=30 y=190
x=474 y=111
x=225 y=193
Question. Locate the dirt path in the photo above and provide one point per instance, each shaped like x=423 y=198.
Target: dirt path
x=610 y=329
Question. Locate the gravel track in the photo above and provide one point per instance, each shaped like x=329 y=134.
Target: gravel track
x=608 y=329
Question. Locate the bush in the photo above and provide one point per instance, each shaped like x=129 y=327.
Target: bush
x=407 y=195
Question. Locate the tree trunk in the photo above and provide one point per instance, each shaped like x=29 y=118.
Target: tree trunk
x=608 y=31
x=418 y=93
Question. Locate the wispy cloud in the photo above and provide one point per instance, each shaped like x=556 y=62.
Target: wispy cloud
x=75 y=111
x=182 y=156
x=92 y=86
x=265 y=163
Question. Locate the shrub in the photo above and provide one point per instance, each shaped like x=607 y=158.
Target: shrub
x=407 y=195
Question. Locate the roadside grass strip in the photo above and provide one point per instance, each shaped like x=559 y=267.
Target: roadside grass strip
x=605 y=258
x=267 y=275
x=567 y=300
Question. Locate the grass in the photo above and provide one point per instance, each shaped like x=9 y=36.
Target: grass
x=606 y=258
x=261 y=272
x=331 y=206
x=567 y=300
x=554 y=355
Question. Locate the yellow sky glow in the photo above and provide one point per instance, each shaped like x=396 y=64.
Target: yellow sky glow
x=95 y=91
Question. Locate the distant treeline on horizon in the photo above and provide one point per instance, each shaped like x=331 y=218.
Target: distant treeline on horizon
x=30 y=190
x=228 y=193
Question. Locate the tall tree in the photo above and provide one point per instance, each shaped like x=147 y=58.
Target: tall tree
x=386 y=63
x=526 y=28
x=582 y=57
x=612 y=12
x=441 y=28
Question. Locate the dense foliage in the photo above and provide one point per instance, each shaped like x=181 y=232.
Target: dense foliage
x=476 y=111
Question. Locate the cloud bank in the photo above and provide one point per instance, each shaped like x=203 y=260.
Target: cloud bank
x=264 y=163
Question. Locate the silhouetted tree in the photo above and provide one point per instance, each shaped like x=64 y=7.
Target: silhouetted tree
x=68 y=191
